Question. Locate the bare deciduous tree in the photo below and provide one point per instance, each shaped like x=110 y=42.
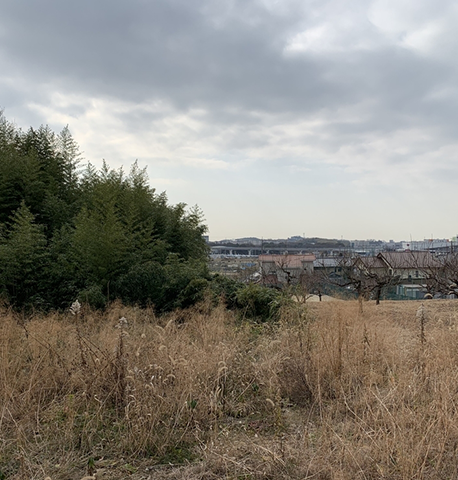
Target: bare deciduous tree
x=366 y=276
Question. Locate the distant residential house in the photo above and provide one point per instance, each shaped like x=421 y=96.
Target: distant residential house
x=412 y=267
x=281 y=270
x=374 y=268
x=328 y=266
x=407 y=267
x=413 y=273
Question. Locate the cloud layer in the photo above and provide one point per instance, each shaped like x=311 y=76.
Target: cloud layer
x=278 y=117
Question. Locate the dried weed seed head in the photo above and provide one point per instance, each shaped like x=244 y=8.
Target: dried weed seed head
x=422 y=314
x=123 y=323
x=75 y=307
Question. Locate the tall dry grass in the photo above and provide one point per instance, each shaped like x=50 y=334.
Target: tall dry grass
x=328 y=393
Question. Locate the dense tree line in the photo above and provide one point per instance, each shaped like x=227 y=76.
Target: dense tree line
x=97 y=235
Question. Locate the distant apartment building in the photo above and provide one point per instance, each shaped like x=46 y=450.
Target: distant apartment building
x=427 y=244
x=368 y=247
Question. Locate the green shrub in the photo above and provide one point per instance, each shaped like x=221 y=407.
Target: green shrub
x=142 y=284
x=259 y=303
x=226 y=289
x=194 y=292
x=93 y=296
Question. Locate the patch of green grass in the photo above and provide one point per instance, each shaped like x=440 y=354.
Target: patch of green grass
x=178 y=455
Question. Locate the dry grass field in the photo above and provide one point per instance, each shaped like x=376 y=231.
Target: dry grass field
x=328 y=393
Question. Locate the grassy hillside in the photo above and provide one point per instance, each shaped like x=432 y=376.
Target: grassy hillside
x=328 y=393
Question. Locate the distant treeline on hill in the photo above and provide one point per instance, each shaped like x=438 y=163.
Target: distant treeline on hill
x=309 y=243
x=96 y=235
x=295 y=242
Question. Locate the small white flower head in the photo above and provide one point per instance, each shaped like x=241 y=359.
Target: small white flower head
x=122 y=323
x=75 y=308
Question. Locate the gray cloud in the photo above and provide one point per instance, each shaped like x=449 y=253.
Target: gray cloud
x=183 y=51
x=202 y=55
x=360 y=86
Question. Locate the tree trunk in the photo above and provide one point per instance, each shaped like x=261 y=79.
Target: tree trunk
x=378 y=295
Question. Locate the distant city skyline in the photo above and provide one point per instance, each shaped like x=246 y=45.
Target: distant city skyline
x=338 y=119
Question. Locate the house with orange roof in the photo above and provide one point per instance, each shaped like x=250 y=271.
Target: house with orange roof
x=280 y=270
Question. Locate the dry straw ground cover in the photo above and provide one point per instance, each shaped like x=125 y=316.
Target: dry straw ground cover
x=328 y=393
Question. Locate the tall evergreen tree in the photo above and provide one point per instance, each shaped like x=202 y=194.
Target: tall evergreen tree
x=23 y=259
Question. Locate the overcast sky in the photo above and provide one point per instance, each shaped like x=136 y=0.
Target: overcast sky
x=330 y=118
